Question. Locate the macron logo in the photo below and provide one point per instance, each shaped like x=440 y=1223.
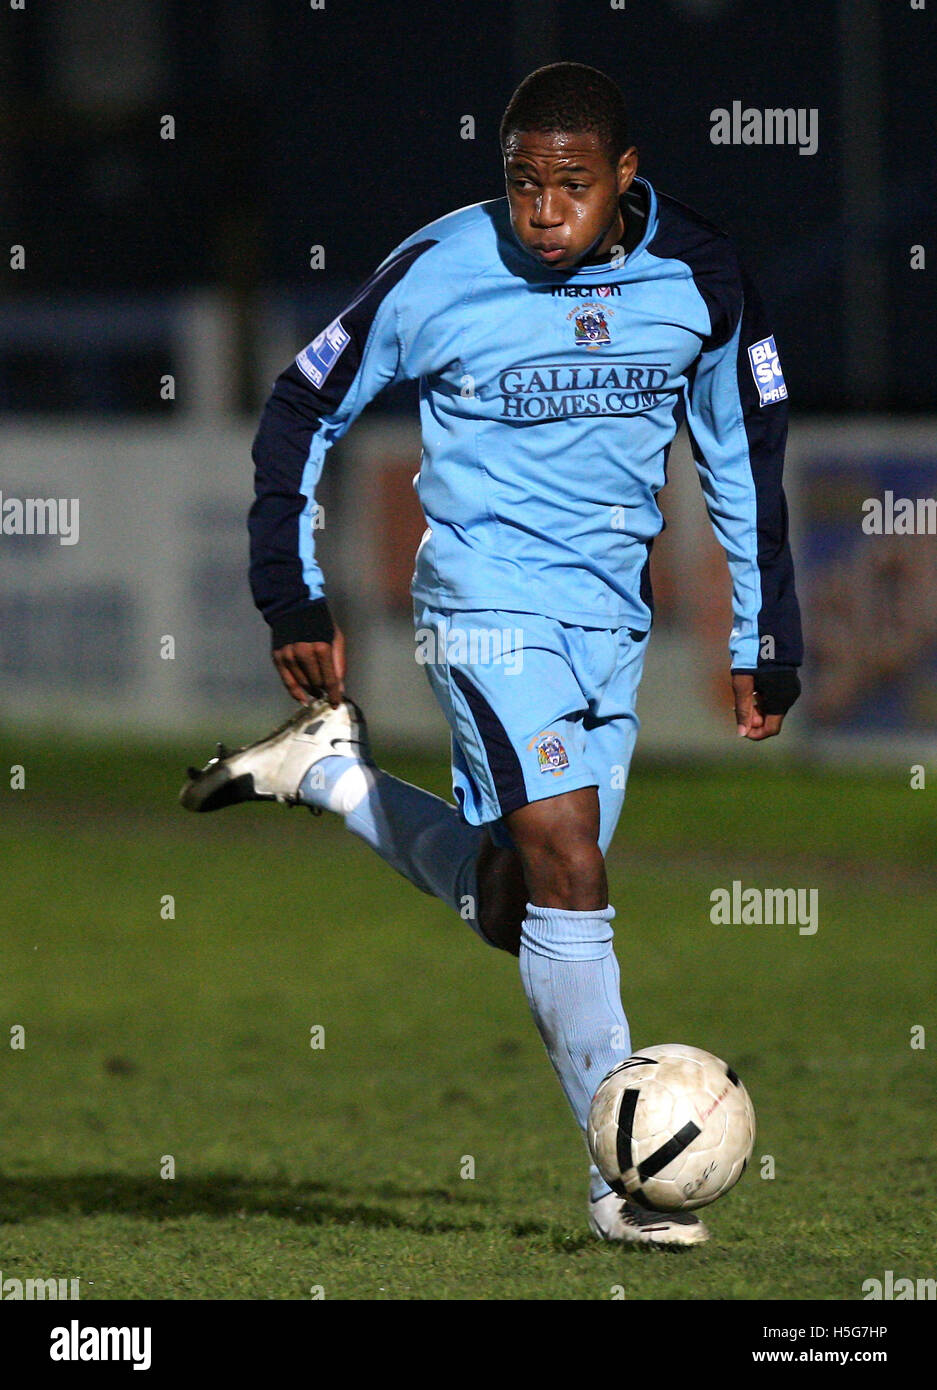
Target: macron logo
x=77 y=1343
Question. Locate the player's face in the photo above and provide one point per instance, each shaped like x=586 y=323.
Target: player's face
x=563 y=192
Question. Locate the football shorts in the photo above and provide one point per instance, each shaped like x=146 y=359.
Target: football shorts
x=536 y=707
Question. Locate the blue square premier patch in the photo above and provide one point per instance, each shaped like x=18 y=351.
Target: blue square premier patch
x=766 y=369
x=318 y=359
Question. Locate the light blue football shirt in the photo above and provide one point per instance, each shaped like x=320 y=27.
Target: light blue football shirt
x=548 y=402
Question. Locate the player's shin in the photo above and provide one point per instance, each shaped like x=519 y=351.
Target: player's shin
x=421 y=836
x=571 y=979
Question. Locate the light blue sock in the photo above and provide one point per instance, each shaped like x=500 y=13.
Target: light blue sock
x=418 y=834
x=571 y=980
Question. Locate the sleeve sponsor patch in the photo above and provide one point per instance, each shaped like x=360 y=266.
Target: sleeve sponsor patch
x=318 y=359
x=766 y=369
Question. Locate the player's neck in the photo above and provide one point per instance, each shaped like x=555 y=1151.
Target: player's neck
x=632 y=219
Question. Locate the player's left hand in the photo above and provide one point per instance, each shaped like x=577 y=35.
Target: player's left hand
x=751 y=722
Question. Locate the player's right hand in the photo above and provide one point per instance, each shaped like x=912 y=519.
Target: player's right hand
x=308 y=669
x=750 y=719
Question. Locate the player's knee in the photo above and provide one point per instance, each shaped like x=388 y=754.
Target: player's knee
x=502 y=894
x=566 y=866
x=557 y=845
x=504 y=931
x=560 y=870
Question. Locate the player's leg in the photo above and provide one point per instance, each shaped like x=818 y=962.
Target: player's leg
x=568 y=965
x=321 y=758
x=567 y=962
x=472 y=868
x=557 y=840
x=502 y=894
x=521 y=735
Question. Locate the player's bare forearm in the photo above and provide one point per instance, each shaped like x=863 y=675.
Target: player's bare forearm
x=313 y=668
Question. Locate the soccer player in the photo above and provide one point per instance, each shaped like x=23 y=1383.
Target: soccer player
x=560 y=336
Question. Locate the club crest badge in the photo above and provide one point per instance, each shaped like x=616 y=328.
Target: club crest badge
x=591 y=326
x=551 y=755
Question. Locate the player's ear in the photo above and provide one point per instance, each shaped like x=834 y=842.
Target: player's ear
x=627 y=168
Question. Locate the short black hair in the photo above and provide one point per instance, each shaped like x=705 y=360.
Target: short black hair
x=570 y=96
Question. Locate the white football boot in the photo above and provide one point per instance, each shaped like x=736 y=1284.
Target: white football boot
x=615 y=1218
x=273 y=768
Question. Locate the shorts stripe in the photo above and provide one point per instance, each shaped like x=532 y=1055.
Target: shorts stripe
x=506 y=771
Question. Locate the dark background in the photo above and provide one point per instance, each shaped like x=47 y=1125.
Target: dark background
x=341 y=127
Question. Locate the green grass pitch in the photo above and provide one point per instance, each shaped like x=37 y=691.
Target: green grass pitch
x=339 y=1168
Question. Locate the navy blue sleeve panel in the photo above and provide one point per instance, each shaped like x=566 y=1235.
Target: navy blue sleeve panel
x=737 y=423
x=312 y=404
x=766 y=430
x=683 y=235
x=280 y=451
